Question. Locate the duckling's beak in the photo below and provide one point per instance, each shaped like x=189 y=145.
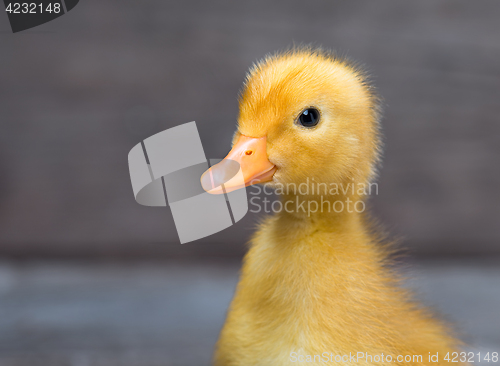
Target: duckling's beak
x=251 y=155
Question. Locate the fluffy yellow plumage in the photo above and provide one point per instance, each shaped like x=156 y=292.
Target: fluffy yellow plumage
x=316 y=282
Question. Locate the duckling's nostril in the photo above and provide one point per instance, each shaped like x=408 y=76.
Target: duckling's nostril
x=248 y=152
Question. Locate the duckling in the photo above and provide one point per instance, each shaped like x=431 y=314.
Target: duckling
x=316 y=284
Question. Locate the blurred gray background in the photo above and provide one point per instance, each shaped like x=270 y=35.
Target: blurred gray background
x=79 y=92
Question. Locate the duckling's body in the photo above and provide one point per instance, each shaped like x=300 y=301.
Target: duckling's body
x=318 y=283
x=323 y=289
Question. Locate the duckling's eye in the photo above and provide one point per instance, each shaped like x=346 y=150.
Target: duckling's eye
x=309 y=118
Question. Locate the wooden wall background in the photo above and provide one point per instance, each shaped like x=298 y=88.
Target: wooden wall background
x=77 y=93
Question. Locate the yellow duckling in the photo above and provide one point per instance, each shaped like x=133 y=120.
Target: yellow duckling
x=315 y=284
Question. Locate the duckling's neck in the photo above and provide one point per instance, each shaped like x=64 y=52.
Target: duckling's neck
x=299 y=257
x=329 y=213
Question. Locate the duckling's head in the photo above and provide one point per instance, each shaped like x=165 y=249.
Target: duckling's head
x=305 y=116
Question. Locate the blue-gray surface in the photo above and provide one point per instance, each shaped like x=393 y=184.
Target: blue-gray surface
x=170 y=314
